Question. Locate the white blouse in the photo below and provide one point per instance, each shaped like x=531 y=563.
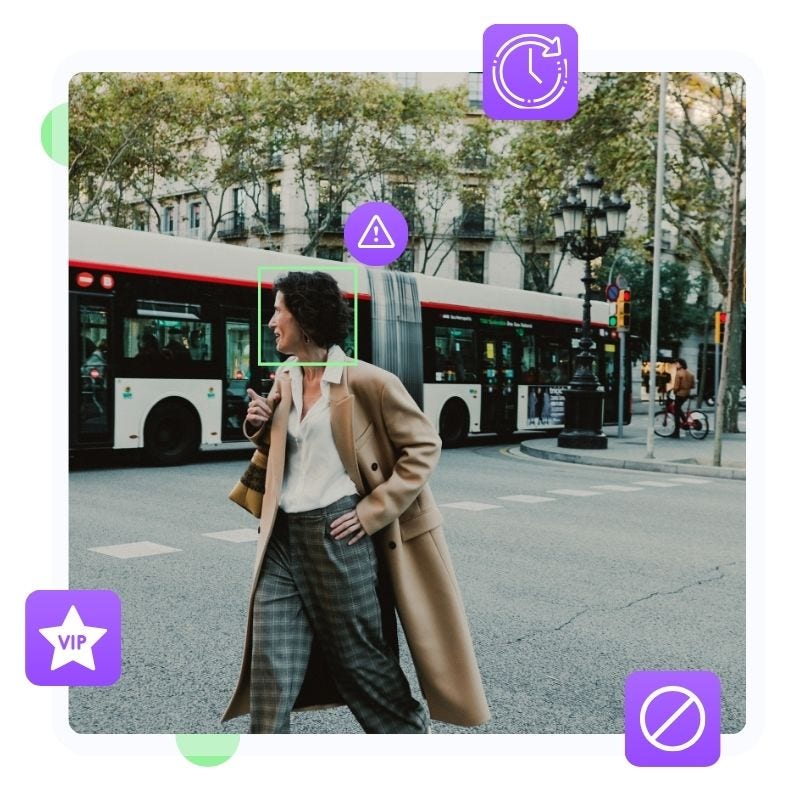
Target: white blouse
x=314 y=476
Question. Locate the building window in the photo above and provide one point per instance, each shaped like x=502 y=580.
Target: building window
x=470 y=266
x=536 y=273
x=473 y=218
x=406 y=261
x=195 y=219
x=403 y=199
x=329 y=207
x=168 y=220
x=330 y=253
x=274 y=205
x=140 y=220
x=475 y=90
x=406 y=80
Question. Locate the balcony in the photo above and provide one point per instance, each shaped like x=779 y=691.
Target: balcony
x=474 y=226
x=335 y=224
x=260 y=226
x=234 y=227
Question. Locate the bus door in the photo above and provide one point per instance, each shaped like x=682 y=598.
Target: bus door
x=499 y=384
x=238 y=372
x=90 y=371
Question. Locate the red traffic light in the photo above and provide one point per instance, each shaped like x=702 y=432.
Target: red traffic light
x=723 y=316
x=626 y=295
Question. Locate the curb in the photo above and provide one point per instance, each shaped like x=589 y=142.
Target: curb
x=701 y=470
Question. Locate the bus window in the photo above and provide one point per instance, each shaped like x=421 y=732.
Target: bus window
x=554 y=362
x=269 y=353
x=161 y=345
x=93 y=339
x=237 y=373
x=455 y=355
x=528 y=364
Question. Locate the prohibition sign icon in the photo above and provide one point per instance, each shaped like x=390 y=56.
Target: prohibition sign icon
x=691 y=700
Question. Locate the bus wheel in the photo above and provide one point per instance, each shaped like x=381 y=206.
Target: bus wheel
x=172 y=432
x=453 y=423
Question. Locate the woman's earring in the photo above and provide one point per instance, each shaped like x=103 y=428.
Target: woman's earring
x=306 y=339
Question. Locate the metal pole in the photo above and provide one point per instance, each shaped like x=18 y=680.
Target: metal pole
x=621 y=398
x=716 y=376
x=651 y=406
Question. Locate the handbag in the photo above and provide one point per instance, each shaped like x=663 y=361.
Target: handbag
x=249 y=491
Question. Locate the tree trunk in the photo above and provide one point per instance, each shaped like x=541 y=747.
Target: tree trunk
x=727 y=404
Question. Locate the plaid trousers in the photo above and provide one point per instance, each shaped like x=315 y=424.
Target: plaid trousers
x=313 y=587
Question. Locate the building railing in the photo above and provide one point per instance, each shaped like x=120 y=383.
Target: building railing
x=474 y=227
x=234 y=227
x=269 y=224
x=335 y=224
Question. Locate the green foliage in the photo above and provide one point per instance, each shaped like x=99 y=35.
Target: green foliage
x=682 y=300
x=613 y=130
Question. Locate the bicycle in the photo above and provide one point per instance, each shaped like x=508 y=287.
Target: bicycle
x=692 y=420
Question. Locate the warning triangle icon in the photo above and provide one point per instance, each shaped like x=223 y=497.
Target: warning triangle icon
x=375 y=236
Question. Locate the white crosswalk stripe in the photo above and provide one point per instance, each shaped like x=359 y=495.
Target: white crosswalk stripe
x=573 y=492
x=238 y=535
x=527 y=498
x=661 y=484
x=690 y=480
x=466 y=505
x=614 y=487
x=134 y=550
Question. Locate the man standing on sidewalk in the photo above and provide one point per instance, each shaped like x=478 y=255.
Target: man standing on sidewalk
x=683 y=385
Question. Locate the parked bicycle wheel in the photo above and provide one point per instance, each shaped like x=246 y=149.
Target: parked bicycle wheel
x=698 y=424
x=664 y=423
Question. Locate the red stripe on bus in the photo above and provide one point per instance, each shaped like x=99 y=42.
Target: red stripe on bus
x=158 y=273
x=161 y=273
x=361 y=296
x=500 y=313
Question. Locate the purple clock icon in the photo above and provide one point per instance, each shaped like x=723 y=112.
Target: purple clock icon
x=530 y=72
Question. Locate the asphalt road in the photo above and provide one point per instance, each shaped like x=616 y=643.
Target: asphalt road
x=567 y=592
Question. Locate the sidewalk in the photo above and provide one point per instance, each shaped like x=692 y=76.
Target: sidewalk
x=684 y=456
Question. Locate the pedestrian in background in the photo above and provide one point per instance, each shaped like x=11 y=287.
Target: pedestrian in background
x=682 y=387
x=339 y=481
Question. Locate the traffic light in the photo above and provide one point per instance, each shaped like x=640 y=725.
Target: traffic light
x=612 y=315
x=720 y=318
x=624 y=310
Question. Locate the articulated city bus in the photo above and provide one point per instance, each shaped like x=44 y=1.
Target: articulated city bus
x=164 y=342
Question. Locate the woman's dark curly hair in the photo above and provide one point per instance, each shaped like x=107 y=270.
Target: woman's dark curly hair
x=314 y=300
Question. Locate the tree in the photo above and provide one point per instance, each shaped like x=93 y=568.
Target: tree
x=613 y=130
x=123 y=133
x=705 y=202
x=678 y=318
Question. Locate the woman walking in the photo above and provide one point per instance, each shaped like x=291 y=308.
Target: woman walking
x=349 y=531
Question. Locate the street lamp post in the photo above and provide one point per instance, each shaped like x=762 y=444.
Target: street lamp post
x=588 y=224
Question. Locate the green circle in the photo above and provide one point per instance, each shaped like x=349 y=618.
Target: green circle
x=55 y=134
x=207 y=749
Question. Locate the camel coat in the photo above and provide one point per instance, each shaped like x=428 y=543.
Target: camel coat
x=389 y=449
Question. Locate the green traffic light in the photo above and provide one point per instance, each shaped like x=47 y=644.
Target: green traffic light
x=612 y=322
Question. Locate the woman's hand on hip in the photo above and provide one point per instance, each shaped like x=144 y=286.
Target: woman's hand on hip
x=348 y=525
x=260 y=409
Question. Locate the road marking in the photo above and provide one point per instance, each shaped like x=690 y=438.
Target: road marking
x=613 y=487
x=469 y=506
x=527 y=498
x=573 y=492
x=661 y=484
x=134 y=550
x=690 y=480
x=238 y=535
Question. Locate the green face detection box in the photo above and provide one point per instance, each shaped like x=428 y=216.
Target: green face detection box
x=353 y=268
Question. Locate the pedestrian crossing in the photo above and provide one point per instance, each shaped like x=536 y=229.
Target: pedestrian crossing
x=568 y=492
x=234 y=536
